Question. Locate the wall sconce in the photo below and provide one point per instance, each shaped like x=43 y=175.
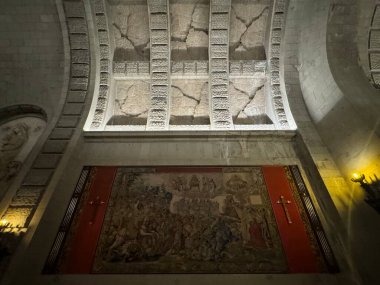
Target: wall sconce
x=9 y=237
x=371 y=189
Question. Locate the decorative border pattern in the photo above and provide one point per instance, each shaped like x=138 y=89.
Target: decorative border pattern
x=159 y=25
x=101 y=22
x=238 y=68
x=190 y=67
x=276 y=35
x=220 y=115
x=374 y=47
x=255 y=68
x=131 y=69
x=314 y=220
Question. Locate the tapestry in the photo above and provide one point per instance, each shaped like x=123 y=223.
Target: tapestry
x=190 y=220
x=180 y=222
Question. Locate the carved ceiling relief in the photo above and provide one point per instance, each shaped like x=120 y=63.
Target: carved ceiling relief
x=248 y=22
x=190 y=104
x=189 y=30
x=17 y=138
x=132 y=102
x=249 y=105
x=188 y=98
x=130 y=24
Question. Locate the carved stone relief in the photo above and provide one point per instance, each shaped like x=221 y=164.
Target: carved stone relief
x=17 y=138
x=167 y=51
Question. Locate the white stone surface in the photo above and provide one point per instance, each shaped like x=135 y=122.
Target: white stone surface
x=130 y=25
x=200 y=17
x=248 y=26
x=248 y=104
x=132 y=98
x=181 y=18
x=254 y=36
x=189 y=101
x=189 y=30
x=196 y=39
x=237 y=29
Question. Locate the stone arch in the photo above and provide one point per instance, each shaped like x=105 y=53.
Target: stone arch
x=322 y=70
x=336 y=111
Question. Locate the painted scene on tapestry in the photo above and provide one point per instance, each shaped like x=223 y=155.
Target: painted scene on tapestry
x=189 y=221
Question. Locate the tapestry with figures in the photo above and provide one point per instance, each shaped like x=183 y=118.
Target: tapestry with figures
x=145 y=220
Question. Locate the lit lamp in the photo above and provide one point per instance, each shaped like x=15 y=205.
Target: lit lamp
x=9 y=236
x=372 y=189
x=4 y=247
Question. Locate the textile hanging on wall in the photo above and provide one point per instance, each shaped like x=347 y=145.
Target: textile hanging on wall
x=145 y=220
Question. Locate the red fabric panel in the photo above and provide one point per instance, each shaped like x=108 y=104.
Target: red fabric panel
x=295 y=240
x=82 y=246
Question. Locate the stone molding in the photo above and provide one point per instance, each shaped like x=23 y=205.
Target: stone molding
x=374 y=47
x=103 y=43
x=276 y=36
x=159 y=26
x=131 y=69
x=220 y=115
x=196 y=68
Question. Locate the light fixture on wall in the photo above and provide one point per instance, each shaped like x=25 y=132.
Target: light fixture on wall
x=9 y=236
x=371 y=189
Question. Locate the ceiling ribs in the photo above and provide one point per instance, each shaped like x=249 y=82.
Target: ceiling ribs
x=220 y=115
x=159 y=23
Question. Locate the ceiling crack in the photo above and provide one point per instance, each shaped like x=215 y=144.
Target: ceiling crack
x=186 y=95
x=248 y=25
x=138 y=48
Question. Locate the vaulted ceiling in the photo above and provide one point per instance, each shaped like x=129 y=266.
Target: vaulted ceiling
x=189 y=65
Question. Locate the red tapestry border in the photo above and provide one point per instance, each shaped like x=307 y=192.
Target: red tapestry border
x=296 y=244
x=82 y=248
x=319 y=234
x=300 y=260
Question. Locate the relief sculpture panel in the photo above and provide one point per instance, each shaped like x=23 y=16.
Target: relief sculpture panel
x=17 y=138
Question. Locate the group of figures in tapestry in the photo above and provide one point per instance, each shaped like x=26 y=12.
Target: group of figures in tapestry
x=189 y=221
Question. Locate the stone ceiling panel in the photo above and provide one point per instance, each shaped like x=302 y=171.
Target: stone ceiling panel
x=189 y=30
x=130 y=27
x=166 y=52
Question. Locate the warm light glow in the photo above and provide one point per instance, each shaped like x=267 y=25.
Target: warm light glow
x=356 y=176
x=3 y=222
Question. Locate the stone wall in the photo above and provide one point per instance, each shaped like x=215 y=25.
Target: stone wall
x=160 y=149
x=338 y=125
x=314 y=95
x=31 y=54
x=336 y=88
